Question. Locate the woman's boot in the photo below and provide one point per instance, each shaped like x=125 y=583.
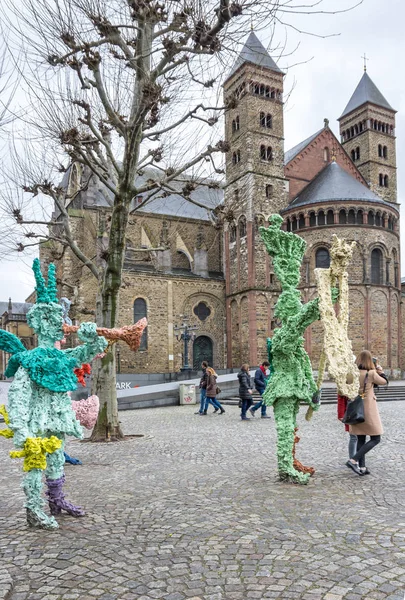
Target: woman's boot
x=57 y=501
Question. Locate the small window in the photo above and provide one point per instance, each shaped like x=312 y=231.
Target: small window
x=370 y=218
x=262 y=119
x=342 y=217
x=301 y=222
x=385 y=152
x=236 y=157
x=202 y=311
x=330 y=217
x=358 y=153
x=266 y=153
x=380 y=150
x=376 y=266
x=141 y=311
x=381 y=180
x=326 y=154
x=232 y=234
x=269 y=121
x=351 y=219
x=321 y=218
x=269 y=191
x=242 y=228
x=378 y=220
x=359 y=217
x=322 y=258
x=386 y=181
x=312 y=219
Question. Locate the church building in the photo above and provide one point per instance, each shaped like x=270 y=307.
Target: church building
x=210 y=264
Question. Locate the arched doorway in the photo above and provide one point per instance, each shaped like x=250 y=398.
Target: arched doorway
x=202 y=350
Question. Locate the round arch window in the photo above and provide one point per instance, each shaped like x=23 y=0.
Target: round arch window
x=202 y=311
x=322 y=258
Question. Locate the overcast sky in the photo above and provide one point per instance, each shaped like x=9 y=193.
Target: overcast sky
x=322 y=87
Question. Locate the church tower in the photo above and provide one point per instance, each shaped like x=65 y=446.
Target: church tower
x=255 y=188
x=367 y=129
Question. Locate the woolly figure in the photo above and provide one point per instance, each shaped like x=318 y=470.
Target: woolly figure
x=39 y=406
x=292 y=381
x=337 y=345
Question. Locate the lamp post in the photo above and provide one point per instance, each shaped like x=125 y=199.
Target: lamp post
x=185 y=334
x=118 y=351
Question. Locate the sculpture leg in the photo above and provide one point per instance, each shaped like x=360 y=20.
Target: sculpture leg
x=32 y=486
x=285 y=411
x=55 y=479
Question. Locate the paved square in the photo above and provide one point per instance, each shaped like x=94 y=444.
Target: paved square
x=194 y=510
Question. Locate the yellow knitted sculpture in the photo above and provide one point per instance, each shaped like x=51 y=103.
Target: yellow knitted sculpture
x=35 y=451
x=5 y=432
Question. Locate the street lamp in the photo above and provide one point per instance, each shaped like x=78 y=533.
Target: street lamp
x=118 y=352
x=185 y=334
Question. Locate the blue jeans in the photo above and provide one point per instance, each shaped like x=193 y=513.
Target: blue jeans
x=212 y=401
x=202 y=400
x=245 y=405
x=260 y=405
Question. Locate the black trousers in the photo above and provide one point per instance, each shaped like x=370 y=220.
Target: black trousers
x=363 y=448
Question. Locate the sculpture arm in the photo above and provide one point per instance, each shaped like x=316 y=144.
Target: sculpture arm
x=19 y=396
x=93 y=344
x=307 y=315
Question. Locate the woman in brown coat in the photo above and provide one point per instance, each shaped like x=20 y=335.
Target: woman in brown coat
x=372 y=425
x=211 y=391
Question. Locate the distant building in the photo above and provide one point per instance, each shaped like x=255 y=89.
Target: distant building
x=181 y=259
x=13 y=318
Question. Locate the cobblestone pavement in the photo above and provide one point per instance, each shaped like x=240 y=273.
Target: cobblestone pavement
x=193 y=510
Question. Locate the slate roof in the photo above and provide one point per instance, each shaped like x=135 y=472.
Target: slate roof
x=334 y=183
x=290 y=154
x=254 y=52
x=19 y=308
x=366 y=91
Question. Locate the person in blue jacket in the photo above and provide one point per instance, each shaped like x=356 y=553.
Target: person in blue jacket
x=260 y=382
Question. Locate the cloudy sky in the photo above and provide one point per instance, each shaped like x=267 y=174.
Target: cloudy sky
x=322 y=85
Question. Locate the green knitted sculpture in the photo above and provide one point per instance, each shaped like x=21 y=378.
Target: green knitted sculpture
x=40 y=411
x=292 y=381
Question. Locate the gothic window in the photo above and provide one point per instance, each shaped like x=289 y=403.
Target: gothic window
x=342 y=217
x=322 y=258
x=269 y=190
x=141 y=311
x=351 y=219
x=236 y=157
x=386 y=181
x=359 y=217
x=202 y=311
x=376 y=266
x=330 y=218
x=321 y=218
x=312 y=219
x=242 y=227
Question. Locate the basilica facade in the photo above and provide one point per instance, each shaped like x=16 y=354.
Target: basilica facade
x=210 y=265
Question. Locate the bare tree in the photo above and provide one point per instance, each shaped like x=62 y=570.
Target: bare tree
x=115 y=85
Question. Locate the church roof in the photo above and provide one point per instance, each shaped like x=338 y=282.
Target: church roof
x=334 y=183
x=366 y=91
x=254 y=52
x=18 y=308
x=290 y=154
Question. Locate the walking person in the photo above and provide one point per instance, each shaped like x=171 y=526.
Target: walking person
x=212 y=391
x=260 y=381
x=203 y=388
x=370 y=374
x=245 y=391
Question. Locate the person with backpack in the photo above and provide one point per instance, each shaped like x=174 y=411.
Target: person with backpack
x=260 y=381
x=245 y=391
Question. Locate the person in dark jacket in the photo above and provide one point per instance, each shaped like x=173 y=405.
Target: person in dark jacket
x=245 y=391
x=211 y=392
x=260 y=381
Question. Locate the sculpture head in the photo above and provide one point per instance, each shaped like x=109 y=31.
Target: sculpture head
x=286 y=249
x=45 y=317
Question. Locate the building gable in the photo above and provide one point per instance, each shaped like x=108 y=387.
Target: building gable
x=311 y=159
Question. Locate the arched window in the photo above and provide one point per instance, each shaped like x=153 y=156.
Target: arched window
x=330 y=219
x=390 y=223
x=386 y=181
x=358 y=153
x=381 y=179
x=353 y=155
x=262 y=119
x=380 y=150
x=294 y=224
x=288 y=224
x=242 y=227
x=359 y=217
x=266 y=153
x=273 y=94
x=326 y=154
x=269 y=190
x=301 y=221
x=342 y=217
x=267 y=94
x=370 y=217
x=312 y=219
x=269 y=121
x=322 y=258
x=232 y=233
x=263 y=152
x=378 y=219
x=376 y=266
x=74 y=180
x=262 y=90
x=236 y=157
x=141 y=311
x=235 y=124
x=351 y=219
x=385 y=152
x=321 y=218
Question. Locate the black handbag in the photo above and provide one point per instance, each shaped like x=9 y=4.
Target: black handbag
x=354 y=414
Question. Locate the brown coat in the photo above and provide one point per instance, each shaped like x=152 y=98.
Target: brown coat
x=372 y=424
x=211 y=389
